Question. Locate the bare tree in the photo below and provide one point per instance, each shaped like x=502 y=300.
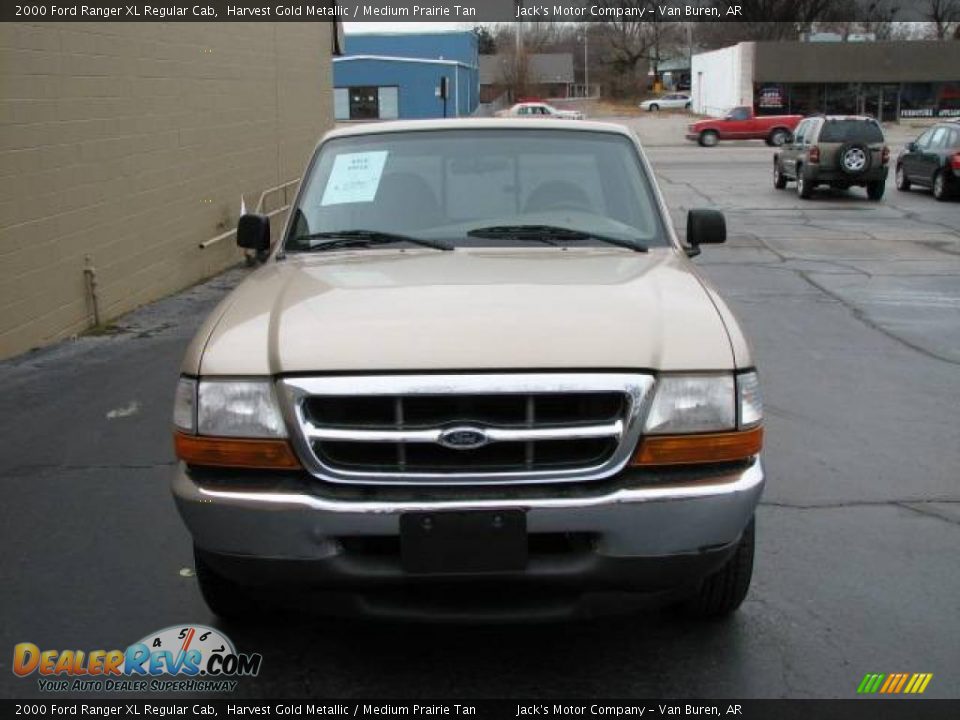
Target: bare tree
x=632 y=43
x=782 y=20
x=665 y=37
x=944 y=15
x=876 y=18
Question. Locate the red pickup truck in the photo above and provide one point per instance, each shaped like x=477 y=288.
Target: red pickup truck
x=741 y=124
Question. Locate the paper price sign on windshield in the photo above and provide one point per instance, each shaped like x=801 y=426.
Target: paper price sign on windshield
x=354 y=177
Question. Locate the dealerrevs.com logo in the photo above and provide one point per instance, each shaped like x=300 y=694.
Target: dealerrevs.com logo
x=180 y=658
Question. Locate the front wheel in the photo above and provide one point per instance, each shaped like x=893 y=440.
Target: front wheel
x=724 y=591
x=779 y=181
x=653 y=108
x=875 y=189
x=709 y=138
x=902 y=183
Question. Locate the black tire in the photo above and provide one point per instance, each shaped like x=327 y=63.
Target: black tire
x=804 y=187
x=723 y=592
x=224 y=597
x=853 y=159
x=777 y=137
x=779 y=179
x=653 y=107
x=939 y=186
x=709 y=138
x=875 y=189
x=901 y=177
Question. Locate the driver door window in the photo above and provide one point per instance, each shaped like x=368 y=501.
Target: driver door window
x=938 y=138
x=799 y=135
x=923 y=142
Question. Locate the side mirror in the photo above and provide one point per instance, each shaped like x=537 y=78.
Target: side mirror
x=705 y=227
x=253 y=232
x=788 y=140
x=911 y=146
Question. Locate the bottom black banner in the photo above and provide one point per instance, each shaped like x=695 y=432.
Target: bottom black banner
x=868 y=709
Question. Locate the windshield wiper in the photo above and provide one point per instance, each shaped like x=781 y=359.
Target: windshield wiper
x=549 y=234
x=365 y=238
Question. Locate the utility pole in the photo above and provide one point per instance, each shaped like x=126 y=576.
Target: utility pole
x=519 y=72
x=519 y=35
x=586 y=63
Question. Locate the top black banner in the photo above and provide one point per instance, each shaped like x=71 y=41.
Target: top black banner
x=469 y=11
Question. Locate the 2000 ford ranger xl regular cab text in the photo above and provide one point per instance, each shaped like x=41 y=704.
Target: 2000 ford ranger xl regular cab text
x=477 y=375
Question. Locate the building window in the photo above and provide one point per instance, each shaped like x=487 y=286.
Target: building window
x=366 y=103
x=341 y=104
x=388 y=101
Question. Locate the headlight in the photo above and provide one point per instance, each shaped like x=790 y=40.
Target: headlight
x=227 y=408
x=749 y=400
x=232 y=424
x=702 y=419
x=692 y=404
x=239 y=408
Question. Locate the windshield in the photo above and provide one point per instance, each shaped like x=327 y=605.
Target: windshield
x=441 y=185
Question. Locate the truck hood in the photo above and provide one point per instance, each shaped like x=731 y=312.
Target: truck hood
x=490 y=308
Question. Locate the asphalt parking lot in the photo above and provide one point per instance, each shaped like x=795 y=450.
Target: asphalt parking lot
x=853 y=309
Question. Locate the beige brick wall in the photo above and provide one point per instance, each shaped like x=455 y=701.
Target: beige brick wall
x=132 y=143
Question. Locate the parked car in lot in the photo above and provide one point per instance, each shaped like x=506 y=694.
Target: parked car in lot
x=478 y=357
x=741 y=123
x=540 y=110
x=670 y=101
x=841 y=151
x=933 y=161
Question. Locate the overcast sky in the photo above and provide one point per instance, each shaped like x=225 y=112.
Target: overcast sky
x=359 y=27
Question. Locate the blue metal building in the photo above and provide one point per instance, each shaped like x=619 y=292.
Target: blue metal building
x=391 y=75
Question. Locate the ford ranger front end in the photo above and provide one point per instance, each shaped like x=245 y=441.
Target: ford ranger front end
x=479 y=364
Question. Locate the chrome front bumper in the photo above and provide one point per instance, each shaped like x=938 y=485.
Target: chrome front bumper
x=635 y=522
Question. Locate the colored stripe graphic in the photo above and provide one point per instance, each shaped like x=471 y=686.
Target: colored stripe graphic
x=894 y=683
x=903 y=680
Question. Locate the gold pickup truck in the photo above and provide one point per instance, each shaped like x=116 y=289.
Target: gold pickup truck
x=477 y=375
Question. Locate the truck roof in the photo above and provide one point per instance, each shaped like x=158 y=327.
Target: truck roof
x=478 y=124
x=845 y=117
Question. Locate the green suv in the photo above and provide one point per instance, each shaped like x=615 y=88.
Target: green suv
x=836 y=150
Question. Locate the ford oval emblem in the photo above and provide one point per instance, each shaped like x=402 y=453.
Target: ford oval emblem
x=463 y=438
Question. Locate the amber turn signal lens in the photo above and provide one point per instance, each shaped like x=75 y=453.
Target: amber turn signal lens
x=693 y=449
x=235 y=452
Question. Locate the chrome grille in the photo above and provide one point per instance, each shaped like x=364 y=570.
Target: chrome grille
x=462 y=429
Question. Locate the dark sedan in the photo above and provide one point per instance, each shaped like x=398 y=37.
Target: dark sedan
x=933 y=161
